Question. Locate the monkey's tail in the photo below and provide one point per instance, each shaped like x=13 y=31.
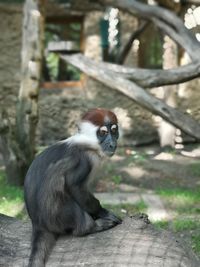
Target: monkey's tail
x=42 y=243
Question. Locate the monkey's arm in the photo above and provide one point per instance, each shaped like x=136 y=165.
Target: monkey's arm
x=76 y=182
x=91 y=205
x=86 y=200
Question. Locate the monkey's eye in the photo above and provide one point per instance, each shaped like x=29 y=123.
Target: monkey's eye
x=103 y=131
x=114 y=128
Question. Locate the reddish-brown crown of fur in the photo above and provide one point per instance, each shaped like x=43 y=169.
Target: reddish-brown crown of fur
x=97 y=116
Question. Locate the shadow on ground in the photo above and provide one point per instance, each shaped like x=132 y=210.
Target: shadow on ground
x=146 y=168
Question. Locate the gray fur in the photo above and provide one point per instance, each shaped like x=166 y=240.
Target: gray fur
x=58 y=200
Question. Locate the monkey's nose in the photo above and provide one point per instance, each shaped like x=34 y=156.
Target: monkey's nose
x=112 y=146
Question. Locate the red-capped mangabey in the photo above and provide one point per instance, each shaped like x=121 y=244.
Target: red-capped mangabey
x=56 y=193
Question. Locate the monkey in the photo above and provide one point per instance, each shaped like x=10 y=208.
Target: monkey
x=56 y=192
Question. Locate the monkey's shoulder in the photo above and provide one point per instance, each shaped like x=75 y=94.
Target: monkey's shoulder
x=58 y=164
x=61 y=155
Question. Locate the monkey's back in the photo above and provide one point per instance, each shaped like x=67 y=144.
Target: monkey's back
x=45 y=188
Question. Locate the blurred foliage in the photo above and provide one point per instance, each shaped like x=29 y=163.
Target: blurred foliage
x=52 y=60
x=117 y=179
x=195 y=169
x=154 y=53
x=11 y=198
x=185 y=204
x=56 y=33
x=196 y=243
x=151 y=48
x=182 y=200
x=185 y=224
x=188 y=228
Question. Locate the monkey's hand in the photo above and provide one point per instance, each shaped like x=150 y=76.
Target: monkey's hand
x=108 y=215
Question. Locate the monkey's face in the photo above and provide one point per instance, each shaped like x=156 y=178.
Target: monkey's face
x=107 y=136
x=105 y=124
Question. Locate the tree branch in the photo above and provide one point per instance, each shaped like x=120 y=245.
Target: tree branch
x=174 y=27
x=125 y=50
x=164 y=19
x=136 y=93
x=154 y=77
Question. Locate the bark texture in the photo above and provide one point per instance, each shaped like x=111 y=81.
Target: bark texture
x=32 y=53
x=154 y=77
x=133 y=243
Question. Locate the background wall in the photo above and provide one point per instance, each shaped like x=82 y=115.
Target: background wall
x=10 y=49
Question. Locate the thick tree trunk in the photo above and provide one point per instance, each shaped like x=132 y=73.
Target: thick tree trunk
x=32 y=53
x=18 y=141
x=136 y=93
x=133 y=243
x=167 y=131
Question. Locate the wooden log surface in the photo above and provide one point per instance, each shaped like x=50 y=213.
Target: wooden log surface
x=133 y=243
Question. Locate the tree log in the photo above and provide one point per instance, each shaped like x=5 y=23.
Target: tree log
x=136 y=93
x=133 y=243
x=154 y=78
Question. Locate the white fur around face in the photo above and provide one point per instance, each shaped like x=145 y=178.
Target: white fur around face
x=87 y=135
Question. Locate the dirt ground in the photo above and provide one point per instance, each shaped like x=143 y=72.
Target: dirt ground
x=147 y=168
x=148 y=171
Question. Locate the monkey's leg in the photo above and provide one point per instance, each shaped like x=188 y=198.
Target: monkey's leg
x=85 y=224
x=108 y=215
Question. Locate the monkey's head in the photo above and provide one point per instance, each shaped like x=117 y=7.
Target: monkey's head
x=106 y=128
